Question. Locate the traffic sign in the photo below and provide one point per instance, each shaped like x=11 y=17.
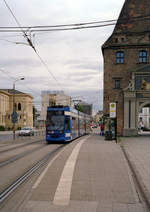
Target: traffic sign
x=14 y=117
x=112 y=108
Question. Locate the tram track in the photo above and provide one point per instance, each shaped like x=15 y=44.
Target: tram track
x=14 y=185
x=19 y=156
x=20 y=146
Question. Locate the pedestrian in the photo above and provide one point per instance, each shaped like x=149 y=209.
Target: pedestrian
x=102 y=129
x=141 y=126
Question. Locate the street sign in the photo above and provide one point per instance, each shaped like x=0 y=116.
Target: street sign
x=14 y=117
x=112 y=110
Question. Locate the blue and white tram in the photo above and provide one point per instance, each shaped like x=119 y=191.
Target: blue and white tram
x=64 y=123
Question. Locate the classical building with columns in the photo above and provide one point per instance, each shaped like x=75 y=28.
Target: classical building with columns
x=127 y=65
x=23 y=105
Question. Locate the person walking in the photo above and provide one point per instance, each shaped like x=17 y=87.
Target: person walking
x=102 y=129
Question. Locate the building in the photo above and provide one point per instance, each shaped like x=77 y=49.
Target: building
x=23 y=106
x=127 y=65
x=51 y=98
x=83 y=106
x=98 y=117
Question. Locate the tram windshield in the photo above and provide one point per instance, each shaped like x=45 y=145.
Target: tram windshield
x=55 y=120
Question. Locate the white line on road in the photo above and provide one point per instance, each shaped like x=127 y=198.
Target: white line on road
x=62 y=194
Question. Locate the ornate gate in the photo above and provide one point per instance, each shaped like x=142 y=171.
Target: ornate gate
x=136 y=96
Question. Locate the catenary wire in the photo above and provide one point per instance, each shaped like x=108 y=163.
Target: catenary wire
x=30 y=44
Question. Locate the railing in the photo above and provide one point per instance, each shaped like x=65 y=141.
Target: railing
x=8 y=136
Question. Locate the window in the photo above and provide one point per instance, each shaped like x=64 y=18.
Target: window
x=117 y=84
x=19 y=106
x=120 y=57
x=142 y=56
x=122 y=39
x=116 y=40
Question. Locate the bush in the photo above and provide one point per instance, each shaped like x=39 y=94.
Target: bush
x=2 y=128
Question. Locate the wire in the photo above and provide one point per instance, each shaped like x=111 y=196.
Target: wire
x=30 y=43
x=60 y=25
x=28 y=40
x=77 y=25
x=46 y=66
x=80 y=24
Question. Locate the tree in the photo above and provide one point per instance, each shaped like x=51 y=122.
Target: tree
x=79 y=107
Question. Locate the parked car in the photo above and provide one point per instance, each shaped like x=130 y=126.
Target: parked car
x=26 y=131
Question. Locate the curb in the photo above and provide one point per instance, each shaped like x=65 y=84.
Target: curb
x=145 y=193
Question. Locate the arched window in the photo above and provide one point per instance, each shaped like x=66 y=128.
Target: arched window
x=120 y=57
x=19 y=106
x=142 y=56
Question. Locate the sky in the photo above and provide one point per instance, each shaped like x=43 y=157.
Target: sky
x=73 y=59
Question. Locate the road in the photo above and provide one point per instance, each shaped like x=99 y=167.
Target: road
x=88 y=174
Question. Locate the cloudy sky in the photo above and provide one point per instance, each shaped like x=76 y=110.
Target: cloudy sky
x=73 y=58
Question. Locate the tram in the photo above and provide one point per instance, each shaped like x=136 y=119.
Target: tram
x=64 y=123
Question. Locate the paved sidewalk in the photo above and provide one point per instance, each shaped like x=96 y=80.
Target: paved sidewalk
x=102 y=181
x=138 y=152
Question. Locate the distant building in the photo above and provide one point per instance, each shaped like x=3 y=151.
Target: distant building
x=98 y=117
x=23 y=105
x=51 y=98
x=85 y=107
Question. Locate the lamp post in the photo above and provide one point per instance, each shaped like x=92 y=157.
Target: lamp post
x=14 y=114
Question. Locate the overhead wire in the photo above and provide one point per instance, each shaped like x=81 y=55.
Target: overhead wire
x=30 y=44
x=75 y=26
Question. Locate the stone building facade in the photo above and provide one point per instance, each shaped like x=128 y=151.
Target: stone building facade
x=126 y=55
x=23 y=105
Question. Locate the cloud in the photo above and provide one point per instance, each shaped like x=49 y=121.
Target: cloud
x=19 y=62
x=73 y=57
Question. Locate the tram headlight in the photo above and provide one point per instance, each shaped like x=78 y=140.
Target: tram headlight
x=50 y=132
x=67 y=134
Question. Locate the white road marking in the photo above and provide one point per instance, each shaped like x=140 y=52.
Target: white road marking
x=62 y=194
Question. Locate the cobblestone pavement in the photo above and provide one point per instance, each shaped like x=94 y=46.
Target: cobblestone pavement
x=102 y=181
x=138 y=152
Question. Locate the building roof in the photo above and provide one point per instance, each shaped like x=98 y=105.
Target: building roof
x=134 y=17
x=11 y=91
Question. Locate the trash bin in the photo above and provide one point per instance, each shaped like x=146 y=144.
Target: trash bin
x=108 y=135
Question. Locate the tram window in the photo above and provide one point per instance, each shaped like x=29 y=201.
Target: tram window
x=67 y=120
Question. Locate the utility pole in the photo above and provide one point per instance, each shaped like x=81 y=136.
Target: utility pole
x=14 y=110
x=14 y=113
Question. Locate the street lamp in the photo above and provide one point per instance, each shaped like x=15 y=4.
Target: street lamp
x=14 y=114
